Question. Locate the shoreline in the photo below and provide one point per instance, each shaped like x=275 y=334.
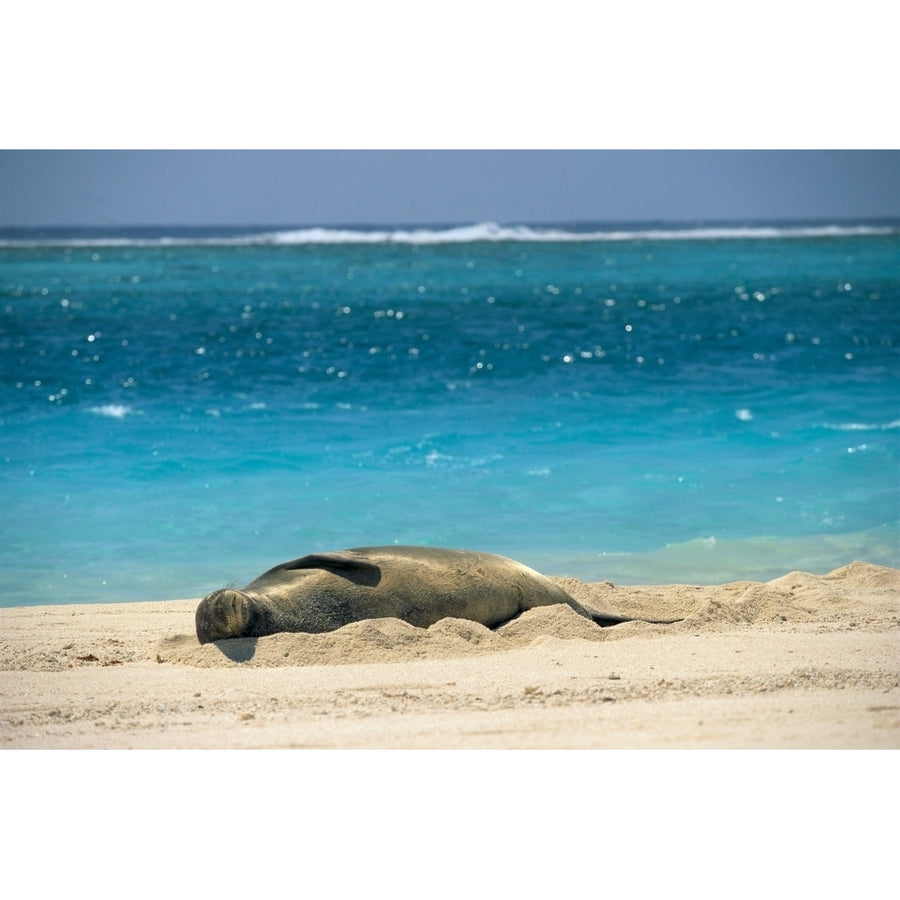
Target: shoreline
x=801 y=661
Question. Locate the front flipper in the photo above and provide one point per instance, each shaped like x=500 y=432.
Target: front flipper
x=345 y=564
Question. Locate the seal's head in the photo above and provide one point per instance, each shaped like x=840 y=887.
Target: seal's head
x=222 y=614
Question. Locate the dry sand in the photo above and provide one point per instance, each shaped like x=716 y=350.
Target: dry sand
x=802 y=661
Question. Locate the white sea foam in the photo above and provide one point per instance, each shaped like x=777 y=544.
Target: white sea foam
x=484 y=231
x=491 y=231
x=112 y=410
x=862 y=426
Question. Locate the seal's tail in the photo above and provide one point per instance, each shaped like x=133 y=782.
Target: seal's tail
x=604 y=620
x=606 y=617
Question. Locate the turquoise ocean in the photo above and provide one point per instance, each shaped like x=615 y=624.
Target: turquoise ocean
x=184 y=408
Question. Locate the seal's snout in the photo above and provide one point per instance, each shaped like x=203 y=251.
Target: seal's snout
x=222 y=614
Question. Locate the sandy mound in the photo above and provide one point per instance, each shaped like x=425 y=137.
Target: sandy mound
x=375 y=640
x=861 y=592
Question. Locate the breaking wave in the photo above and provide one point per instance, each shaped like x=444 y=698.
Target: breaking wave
x=457 y=234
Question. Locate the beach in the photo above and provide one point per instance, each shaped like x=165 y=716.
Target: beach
x=800 y=662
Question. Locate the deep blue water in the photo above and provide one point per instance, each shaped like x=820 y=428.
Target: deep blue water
x=179 y=410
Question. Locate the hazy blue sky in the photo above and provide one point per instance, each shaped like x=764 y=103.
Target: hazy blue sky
x=320 y=187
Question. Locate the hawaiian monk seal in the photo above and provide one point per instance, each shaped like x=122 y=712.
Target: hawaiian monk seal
x=420 y=585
